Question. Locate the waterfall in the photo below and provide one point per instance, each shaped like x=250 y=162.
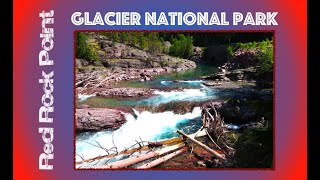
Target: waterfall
x=147 y=125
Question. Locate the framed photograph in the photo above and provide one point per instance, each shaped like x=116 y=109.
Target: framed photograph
x=159 y=89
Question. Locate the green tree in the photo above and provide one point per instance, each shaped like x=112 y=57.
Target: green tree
x=155 y=47
x=134 y=39
x=181 y=46
x=115 y=37
x=124 y=37
x=142 y=41
x=83 y=49
x=264 y=53
x=266 y=60
x=81 y=44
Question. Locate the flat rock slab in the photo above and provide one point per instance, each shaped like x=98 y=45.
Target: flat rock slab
x=126 y=92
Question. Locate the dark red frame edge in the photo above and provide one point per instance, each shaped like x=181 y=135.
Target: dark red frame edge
x=171 y=169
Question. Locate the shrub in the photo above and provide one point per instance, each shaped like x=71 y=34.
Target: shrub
x=181 y=46
x=264 y=53
x=266 y=60
x=230 y=50
x=155 y=47
x=254 y=149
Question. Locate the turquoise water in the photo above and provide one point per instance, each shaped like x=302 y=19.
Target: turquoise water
x=191 y=89
x=150 y=126
x=189 y=75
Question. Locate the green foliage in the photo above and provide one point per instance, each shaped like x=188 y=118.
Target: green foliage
x=266 y=60
x=181 y=46
x=85 y=50
x=248 y=45
x=254 y=149
x=81 y=45
x=163 y=63
x=150 y=41
x=182 y=43
x=203 y=49
x=265 y=56
x=264 y=53
x=91 y=53
x=115 y=37
x=230 y=50
x=154 y=44
x=135 y=38
x=155 y=47
x=142 y=42
x=124 y=37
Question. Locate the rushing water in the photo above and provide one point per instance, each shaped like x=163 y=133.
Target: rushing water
x=146 y=125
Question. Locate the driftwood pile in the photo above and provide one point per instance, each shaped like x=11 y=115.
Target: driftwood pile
x=98 y=78
x=215 y=128
x=151 y=154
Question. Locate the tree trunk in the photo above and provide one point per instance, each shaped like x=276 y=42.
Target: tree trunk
x=145 y=148
x=203 y=146
x=135 y=159
x=162 y=159
x=105 y=79
x=129 y=161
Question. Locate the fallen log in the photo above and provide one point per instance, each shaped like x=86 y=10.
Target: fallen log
x=147 y=147
x=154 y=144
x=82 y=81
x=162 y=159
x=203 y=146
x=107 y=78
x=135 y=159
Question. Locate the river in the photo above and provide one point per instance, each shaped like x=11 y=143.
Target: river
x=146 y=125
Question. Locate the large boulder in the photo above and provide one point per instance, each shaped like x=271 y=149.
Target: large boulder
x=238 y=111
x=245 y=58
x=97 y=119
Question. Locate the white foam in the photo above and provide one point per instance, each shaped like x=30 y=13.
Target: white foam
x=166 y=83
x=180 y=95
x=191 y=82
x=183 y=95
x=148 y=126
x=82 y=97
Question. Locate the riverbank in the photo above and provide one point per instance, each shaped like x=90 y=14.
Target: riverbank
x=165 y=92
x=92 y=81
